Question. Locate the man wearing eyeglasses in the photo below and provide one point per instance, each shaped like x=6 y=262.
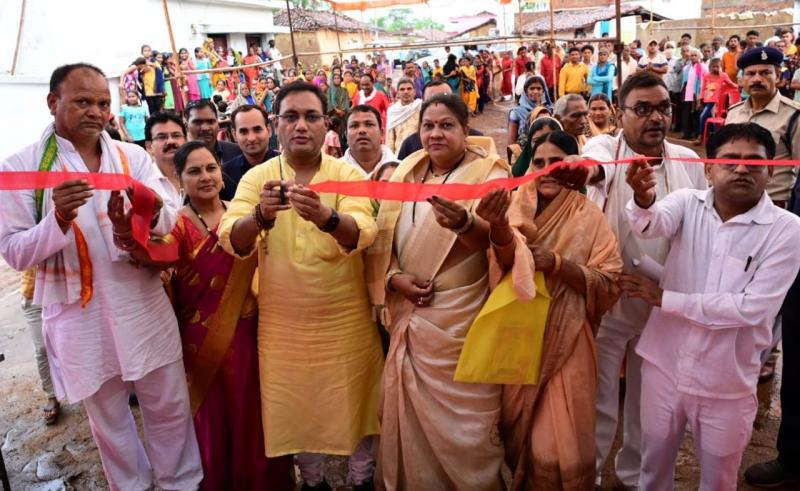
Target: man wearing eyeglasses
x=320 y=353
x=164 y=133
x=645 y=114
x=732 y=258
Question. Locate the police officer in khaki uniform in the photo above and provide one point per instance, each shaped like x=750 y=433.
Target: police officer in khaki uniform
x=768 y=108
x=779 y=115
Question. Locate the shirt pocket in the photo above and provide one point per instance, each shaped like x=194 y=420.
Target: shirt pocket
x=735 y=275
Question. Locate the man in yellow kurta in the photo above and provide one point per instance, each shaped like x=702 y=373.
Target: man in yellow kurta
x=319 y=352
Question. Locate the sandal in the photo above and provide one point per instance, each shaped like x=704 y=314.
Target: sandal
x=51 y=411
x=767 y=370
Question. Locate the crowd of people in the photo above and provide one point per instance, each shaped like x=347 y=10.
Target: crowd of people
x=296 y=324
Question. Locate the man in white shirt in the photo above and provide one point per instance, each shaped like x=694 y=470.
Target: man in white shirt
x=653 y=61
x=645 y=115
x=108 y=324
x=627 y=64
x=364 y=132
x=732 y=258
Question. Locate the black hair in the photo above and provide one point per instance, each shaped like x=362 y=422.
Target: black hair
x=197 y=105
x=141 y=50
x=741 y=131
x=139 y=61
x=183 y=152
x=600 y=96
x=559 y=138
x=533 y=80
x=587 y=46
x=752 y=32
x=364 y=108
x=640 y=80
x=368 y=75
x=575 y=49
x=249 y=107
x=433 y=83
x=686 y=35
x=300 y=86
x=61 y=73
x=335 y=124
x=455 y=104
x=734 y=36
x=392 y=164
x=113 y=133
x=159 y=118
x=542 y=123
x=530 y=66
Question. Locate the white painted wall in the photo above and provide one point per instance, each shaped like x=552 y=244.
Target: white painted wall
x=106 y=33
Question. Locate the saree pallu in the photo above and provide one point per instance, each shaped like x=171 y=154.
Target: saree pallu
x=437 y=434
x=218 y=323
x=549 y=428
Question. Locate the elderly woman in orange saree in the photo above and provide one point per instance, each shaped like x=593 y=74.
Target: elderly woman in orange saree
x=436 y=434
x=218 y=318
x=548 y=428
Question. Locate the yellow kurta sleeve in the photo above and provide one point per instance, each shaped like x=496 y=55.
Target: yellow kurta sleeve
x=248 y=194
x=358 y=208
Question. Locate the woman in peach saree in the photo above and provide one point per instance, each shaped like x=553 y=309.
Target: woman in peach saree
x=436 y=434
x=548 y=428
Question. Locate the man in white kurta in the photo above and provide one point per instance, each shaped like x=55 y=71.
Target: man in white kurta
x=620 y=328
x=733 y=256
x=109 y=328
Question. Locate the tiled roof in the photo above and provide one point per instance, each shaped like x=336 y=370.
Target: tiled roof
x=567 y=20
x=310 y=20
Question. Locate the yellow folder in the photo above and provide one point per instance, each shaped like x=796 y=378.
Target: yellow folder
x=504 y=344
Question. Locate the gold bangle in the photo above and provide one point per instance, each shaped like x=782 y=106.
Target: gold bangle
x=556 y=263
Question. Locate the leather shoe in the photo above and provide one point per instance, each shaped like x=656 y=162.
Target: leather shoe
x=323 y=486
x=770 y=474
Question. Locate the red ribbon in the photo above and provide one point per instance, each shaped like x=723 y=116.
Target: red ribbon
x=406 y=191
x=401 y=191
x=142 y=205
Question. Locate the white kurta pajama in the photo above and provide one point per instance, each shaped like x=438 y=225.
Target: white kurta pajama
x=723 y=283
x=621 y=326
x=126 y=335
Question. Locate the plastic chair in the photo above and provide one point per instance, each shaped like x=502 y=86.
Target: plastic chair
x=725 y=99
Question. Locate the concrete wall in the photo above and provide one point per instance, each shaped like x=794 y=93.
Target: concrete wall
x=724 y=26
x=60 y=32
x=736 y=6
x=25 y=114
x=322 y=41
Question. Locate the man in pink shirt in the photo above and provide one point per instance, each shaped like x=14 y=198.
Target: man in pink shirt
x=731 y=261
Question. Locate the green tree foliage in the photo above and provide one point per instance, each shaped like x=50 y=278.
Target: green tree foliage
x=403 y=19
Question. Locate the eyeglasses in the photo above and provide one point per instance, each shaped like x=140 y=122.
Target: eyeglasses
x=162 y=137
x=646 y=110
x=293 y=118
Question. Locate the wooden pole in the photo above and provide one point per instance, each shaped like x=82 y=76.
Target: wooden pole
x=19 y=37
x=338 y=42
x=291 y=34
x=519 y=18
x=618 y=47
x=177 y=73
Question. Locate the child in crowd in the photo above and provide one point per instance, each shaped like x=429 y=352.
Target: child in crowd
x=132 y=118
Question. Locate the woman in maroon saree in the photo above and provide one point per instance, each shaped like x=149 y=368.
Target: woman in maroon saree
x=217 y=316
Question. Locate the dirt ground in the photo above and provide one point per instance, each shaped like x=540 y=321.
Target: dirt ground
x=64 y=457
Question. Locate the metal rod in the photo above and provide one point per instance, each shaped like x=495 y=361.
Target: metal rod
x=688 y=28
x=291 y=33
x=19 y=37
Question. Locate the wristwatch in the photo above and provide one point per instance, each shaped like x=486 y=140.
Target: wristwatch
x=332 y=223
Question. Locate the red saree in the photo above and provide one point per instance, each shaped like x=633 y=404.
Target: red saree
x=218 y=319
